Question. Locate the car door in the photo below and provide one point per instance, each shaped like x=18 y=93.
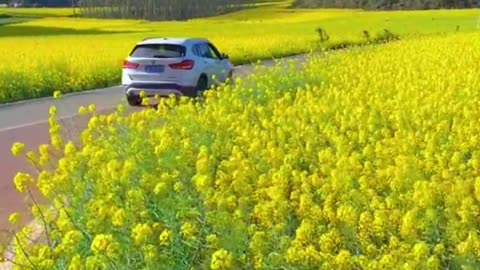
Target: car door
x=209 y=62
x=222 y=66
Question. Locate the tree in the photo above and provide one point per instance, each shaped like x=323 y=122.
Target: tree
x=157 y=9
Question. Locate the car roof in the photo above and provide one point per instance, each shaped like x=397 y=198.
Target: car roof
x=175 y=41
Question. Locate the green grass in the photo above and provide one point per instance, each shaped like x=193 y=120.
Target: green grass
x=37 y=12
x=11 y=20
x=75 y=54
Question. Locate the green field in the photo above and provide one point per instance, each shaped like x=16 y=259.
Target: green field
x=36 y=12
x=72 y=54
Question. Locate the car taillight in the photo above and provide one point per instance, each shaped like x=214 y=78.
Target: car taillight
x=185 y=64
x=130 y=65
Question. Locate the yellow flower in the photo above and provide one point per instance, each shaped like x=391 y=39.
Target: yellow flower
x=47 y=264
x=45 y=183
x=128 y=167
x=150 y=253
x=212 y=240
x=145 y=101
x=53 y=111
x=21 y=181
x=344 y=260
x=44 y=252
x=144 y=215
x=56 y=141
x=160 y=188
x=101 y=243
x=166 y=237
x=95 y=263
x=420 y=250
x=178 y=186
x=14 y=218
x=221 y=259
x=32 y=157
x=68 y=243
x=91 y=108
x=75 y=263
x=63 y=222
x=70 y=149
x=118 y=218
x=439 y=249
x=188 y=230
x=433 y=263
x=43 y=150
x=17 y=149
x=82 y=110
x=120 y=108
x=141 y=233
x=36 y=211
x=57 y=95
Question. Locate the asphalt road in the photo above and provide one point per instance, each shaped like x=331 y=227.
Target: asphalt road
x=27 y=122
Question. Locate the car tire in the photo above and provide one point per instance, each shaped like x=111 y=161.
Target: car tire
x=202 y=86
x=134 y=100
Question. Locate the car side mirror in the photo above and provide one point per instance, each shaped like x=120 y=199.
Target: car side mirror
x=225 y=56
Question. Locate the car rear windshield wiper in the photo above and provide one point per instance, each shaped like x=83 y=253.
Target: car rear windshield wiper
x=160 y=56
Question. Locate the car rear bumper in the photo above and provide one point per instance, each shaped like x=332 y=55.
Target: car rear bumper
x=160 y=89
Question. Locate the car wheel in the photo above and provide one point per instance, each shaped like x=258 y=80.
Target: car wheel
x=202 y=86
x=134 y=100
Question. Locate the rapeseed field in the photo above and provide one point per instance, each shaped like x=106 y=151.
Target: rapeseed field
x=46 y=51
x=365 y=159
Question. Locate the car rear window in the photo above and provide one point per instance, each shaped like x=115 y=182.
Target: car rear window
x=158 y=51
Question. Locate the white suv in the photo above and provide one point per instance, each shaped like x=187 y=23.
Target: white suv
x=164 y=66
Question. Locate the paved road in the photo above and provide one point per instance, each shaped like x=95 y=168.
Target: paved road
x=27 y=122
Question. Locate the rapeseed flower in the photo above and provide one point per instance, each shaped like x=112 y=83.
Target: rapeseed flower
x=166 y=237
x=17 y=149
x=313 y=167
x=14 y=218
x=221 y=259
x=141 y=233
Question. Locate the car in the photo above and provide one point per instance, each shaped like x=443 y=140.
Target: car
x=179 y=66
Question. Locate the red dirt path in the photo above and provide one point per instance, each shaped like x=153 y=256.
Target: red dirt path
x=32 y=136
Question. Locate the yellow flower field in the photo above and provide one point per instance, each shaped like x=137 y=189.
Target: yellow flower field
x=367 y=159
x=43 y=55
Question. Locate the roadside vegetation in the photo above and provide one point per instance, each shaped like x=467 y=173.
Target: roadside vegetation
x=47 y=54
x=364 y=159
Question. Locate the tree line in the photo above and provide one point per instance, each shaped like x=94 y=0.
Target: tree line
x=157 y=9
x=40 y=3
x=387 y=4
x=143 y=9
